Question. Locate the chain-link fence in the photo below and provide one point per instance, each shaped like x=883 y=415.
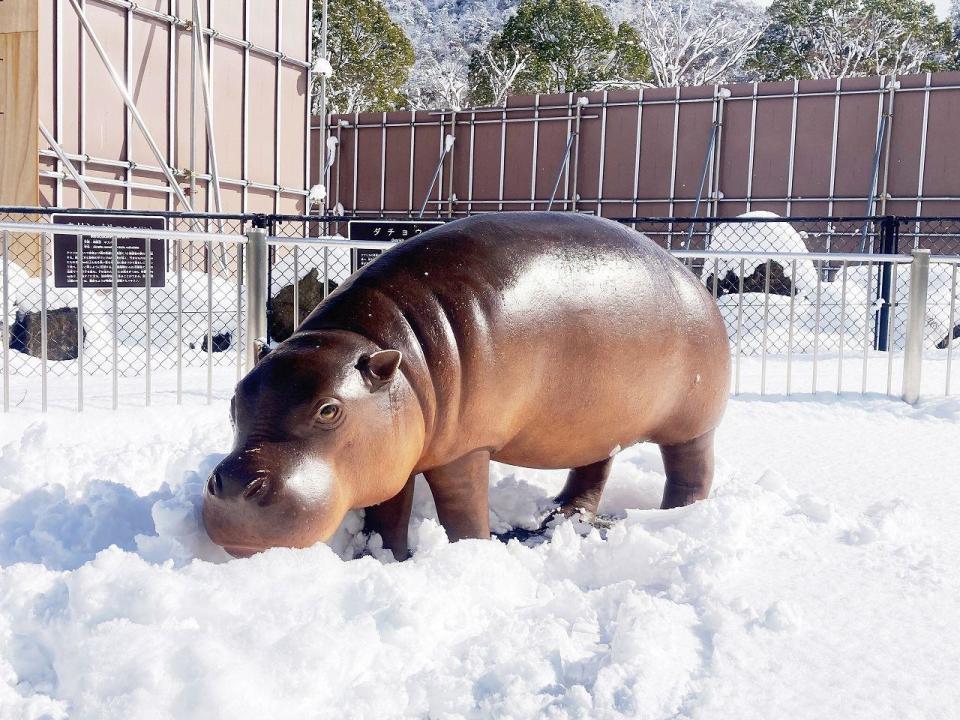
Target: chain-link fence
x=804 y=299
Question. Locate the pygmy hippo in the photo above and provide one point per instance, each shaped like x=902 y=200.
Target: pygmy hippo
x=544 y=340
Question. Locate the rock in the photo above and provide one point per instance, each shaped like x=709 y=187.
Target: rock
x=221 y=342
x=780 y=284
x=280 y=310
x=26 y=336
x=948 y=338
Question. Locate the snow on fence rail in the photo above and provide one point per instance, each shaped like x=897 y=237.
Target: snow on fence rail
x=799 y=321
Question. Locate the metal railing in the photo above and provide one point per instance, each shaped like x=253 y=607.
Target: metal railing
x=804 y=314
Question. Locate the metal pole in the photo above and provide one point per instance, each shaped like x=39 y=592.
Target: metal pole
x=873 y=181
x=207 y=107
x=703 y=180
x=68 y=166
x=256 y=261
x=131 y=106
x=563 y=165
x=448 y=142
x=916 y=318
x=323 y=97
x=888 y=246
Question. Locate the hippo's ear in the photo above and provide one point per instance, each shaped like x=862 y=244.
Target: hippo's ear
x=379 y=368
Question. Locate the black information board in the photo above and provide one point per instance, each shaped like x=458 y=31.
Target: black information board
x=98 y=253
x=383 y=230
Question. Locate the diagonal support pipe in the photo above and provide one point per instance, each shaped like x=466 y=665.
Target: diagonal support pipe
x=68 y=166
x=131 y=106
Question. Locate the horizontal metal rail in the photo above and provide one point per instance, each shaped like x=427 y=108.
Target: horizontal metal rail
x=331 y=241
x=775 y=254
x=109 y=231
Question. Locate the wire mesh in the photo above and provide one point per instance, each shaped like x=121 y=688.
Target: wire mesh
x=821 y=293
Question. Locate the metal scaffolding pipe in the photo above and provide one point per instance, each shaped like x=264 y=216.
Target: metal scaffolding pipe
x=68 y=166
x=207 y=107
x=131 y=105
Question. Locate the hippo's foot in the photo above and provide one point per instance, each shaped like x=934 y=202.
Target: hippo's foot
x=580 y=516
x=583 y=521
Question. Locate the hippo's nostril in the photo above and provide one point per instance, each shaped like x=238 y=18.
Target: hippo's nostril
x=256 y=489
x=215 y=485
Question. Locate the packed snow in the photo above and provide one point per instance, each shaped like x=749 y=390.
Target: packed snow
x=818 y=580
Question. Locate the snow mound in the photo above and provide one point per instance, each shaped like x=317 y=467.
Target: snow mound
x=763 y=236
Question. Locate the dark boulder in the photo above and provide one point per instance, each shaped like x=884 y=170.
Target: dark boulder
x=755 y=282
x=280 y=309
x=62 y=323
x=221 y=342
x=949 y=338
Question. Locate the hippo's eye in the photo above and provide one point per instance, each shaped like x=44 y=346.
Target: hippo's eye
x=329 y=413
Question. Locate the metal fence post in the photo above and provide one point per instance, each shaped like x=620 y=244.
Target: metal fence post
x=256 y=266
x=916 y=320
x=889 y=239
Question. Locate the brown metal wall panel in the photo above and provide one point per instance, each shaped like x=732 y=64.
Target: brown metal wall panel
x=343 y=186
x=656 y=148
x=735 y=148
x=263 y=23
x=856 y=139
x=293 y=97
x=518 y=154
x=811 y=172
x=426 y=151
x=906 y=130
x=620 y=150
x=227 y=15
x=551 y=144
x=149 y=84
x=398 y=163
x=260 y=201
x=616 y=210
x=941 y=177
x=771 y=155
x=294 y=28
x=370 y=144
x=104 y=133
x=228 y=109
x=588 y=158
x=695 y=123
x=461 y=163
x=731 y=208
x=486 y=163
x=260 y=134
x=291 y=204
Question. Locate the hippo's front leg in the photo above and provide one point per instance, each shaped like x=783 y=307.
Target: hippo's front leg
x=460 y=490
x=390 y=520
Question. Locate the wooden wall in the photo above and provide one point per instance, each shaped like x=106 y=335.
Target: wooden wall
x=18 y=103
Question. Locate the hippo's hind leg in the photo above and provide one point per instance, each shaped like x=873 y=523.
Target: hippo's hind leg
x=584 y=487
x=689 y=469
x=390 y=520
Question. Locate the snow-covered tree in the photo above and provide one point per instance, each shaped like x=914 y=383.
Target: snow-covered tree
x=445 y=36
x=693 y=42
x=557 y=46
x=369 y=54
x=841 y=38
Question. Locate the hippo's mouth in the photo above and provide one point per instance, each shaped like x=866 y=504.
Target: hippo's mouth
x=242 y=551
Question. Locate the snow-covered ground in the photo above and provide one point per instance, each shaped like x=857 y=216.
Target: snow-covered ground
x=819 y=580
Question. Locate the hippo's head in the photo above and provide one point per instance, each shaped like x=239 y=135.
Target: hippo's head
x=325 y=423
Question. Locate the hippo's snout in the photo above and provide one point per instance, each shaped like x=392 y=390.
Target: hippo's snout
x=224 y=485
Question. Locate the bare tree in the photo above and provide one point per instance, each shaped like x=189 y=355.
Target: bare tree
x=692 y=43
x=498 y=69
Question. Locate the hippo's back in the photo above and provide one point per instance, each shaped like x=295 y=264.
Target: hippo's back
x=521 y=329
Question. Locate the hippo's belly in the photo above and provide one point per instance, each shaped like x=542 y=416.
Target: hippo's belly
x=582 y=375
